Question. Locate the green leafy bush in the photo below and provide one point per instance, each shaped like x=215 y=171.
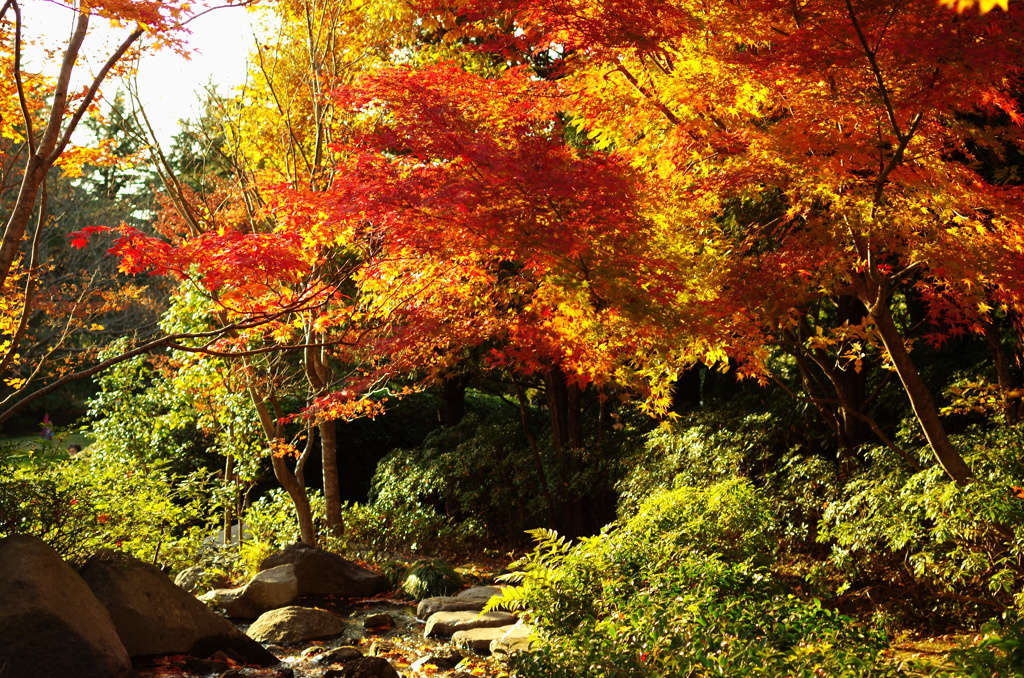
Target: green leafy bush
x=103 y=500
x=394 y=571
x=654 y=595
x=730 y=519
x=957 y=540
x=273 y=526
x=998 y=652
x=427 y=578
x=481 y=469
x=393 y=527
x=703 y=449
x=708 y=447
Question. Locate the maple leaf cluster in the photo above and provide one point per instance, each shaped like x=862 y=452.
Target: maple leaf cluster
x=616 y=190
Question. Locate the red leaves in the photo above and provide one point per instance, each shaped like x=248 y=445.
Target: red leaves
x=80 y=239
x=488 y=229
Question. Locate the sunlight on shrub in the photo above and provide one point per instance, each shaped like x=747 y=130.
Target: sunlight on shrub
x=428 y=578
x=654 y=596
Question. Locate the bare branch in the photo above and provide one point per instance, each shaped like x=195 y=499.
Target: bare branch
x=26 y=116
x=90 y=95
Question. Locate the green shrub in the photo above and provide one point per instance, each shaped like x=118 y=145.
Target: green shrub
x=730 y=519
x=394 y=571
x=655 y=595
x=103 y=500
x=957 y=540
x=480 y=469
x=998 y=652
x=702 y=449
x=428 y=578
x=709 y=447
x=42 y=506
x=392 y=527
x=272 y=526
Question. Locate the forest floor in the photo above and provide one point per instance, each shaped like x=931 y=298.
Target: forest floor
x=929 y=650
x=402 y=644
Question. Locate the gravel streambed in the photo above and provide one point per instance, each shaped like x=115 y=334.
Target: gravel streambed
x=401 y=642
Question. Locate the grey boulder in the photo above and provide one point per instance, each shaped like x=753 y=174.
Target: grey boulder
x=479 y=640
x=268 y=590
x=326 y=574
x=471 y=599
x=51 y=624
x=367 y=667
x=296 y=624
x=154 y=617
x=444 y=624
x=519 y=638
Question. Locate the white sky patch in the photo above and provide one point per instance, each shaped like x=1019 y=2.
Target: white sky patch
x=170 y=86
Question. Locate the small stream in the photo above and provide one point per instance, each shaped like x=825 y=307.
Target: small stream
x=402 y=645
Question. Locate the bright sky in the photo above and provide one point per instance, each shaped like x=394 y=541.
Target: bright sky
x=170 y=86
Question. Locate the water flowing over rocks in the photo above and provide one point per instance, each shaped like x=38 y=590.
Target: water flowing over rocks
x=119 y=617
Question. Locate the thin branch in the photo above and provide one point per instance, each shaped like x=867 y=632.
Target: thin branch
x=60 y=93
x=665 y=110
x=163 y=342
x=90 y=94
x=22 y=98
x=30 y=286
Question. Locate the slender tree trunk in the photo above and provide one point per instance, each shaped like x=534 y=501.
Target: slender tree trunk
x=995 y=345
x=453 y=393
x=851 y=385
x=229 y=469
x=332 y=487
x=532 y=440
x=289 y=481
x=920 y=396
x=319 y=375
x=297 y=493
x=565 y=409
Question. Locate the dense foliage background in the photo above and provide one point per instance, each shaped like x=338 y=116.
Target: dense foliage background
x=710 y=316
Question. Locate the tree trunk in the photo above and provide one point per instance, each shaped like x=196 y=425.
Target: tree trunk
x=995 y=345
x=291 y=482
x=453 y=394
x=850 y=384
x=920 y=397
x=532 y=440
x=229 y=470
x=319 y=375
x=564 y=408
x=297 y=493
x=332 y=488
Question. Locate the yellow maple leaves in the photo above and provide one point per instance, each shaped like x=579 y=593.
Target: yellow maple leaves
x=983 y=5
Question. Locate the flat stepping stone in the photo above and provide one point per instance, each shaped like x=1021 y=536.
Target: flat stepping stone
x=519 y=638
x=428 y=607
x=445 y=624
x=471 y=599
x=485 y=592
x=479 y=640
x=295 y=625
x=345 y=653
